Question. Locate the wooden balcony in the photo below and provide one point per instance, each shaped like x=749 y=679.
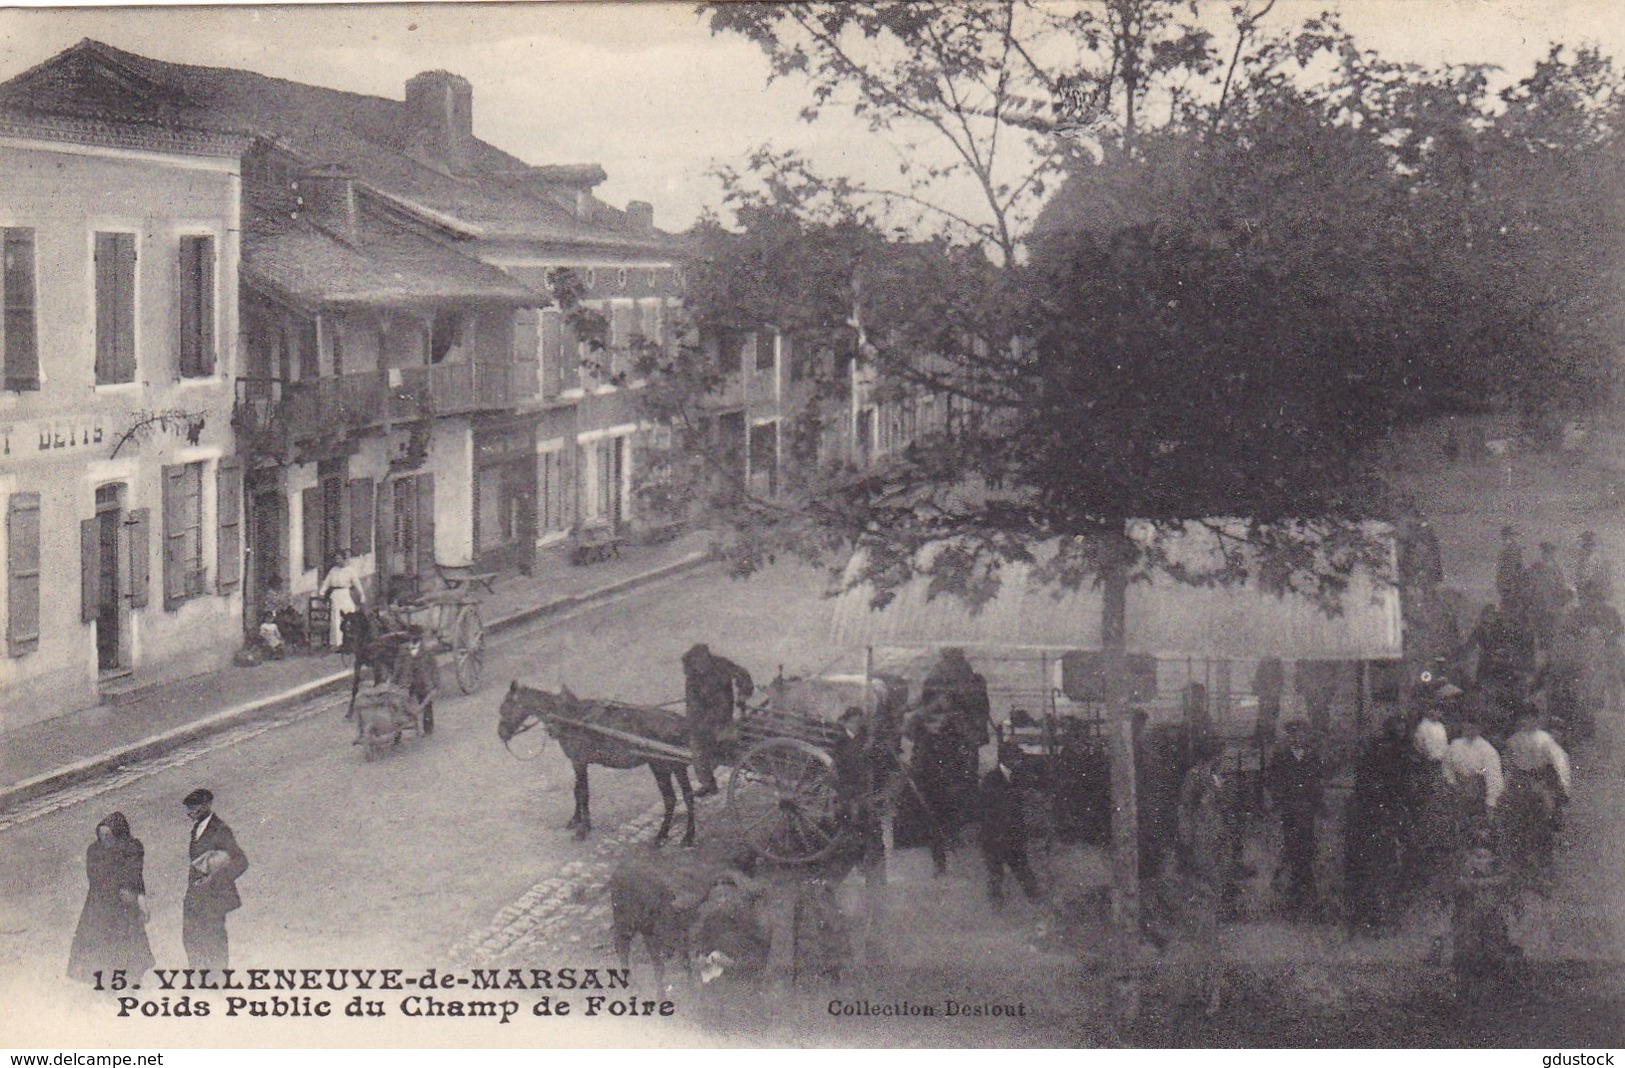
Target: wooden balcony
x=271 y=416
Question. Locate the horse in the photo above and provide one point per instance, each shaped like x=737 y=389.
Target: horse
x=570 y=721
x=375 y=644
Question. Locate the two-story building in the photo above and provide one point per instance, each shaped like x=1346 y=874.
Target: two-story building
x=121 y=541
x=411 y=392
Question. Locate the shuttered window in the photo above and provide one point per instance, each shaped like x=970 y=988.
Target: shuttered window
x=196 y=313
x=90 y=569
x=335 y=331
x=335 y=535
x=22 y=573
x=361 y=524
x=550 y=510
x=651 y=327
x=228 y=564
x=311 y=527
x=115 y=308
x=526 y=335
x=20 y=344
x=552 y=351
x=425 y=521
x=310 y=352
x=139 y=526
x=623 y=323
x=183 y=533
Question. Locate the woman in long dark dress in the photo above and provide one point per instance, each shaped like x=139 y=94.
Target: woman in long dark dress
x=112 y=932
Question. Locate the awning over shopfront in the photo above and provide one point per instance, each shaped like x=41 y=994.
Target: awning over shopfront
x=1165 y=618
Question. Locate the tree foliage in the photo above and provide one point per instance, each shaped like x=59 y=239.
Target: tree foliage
x=1257 y=253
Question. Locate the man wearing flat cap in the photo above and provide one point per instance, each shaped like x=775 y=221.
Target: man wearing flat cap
x=1295 y=780
x=217 y=862
x=418 y=674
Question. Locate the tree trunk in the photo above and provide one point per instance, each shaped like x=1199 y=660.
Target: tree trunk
x=1127 y=956
x=1125 y=807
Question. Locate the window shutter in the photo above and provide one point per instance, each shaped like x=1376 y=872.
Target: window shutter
x=384 y=535
x=312 y=527
x=186 y=349
x=228 y=563
x=361 y=491
x=124 y=275
x=21 y=355
x=571 y=373
x=335 y=518
x=140 y=524
x=205 y=305
x=23 y=570
x=106 y=316
x=425 y=516
x=310 y=357
x=90 y=569
x=623 y=324
x=196 y=314
x=652 y=332
x=175 y=562
x=552 y=351
x=526 y=335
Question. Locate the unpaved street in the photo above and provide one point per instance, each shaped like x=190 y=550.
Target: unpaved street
x=409 y=861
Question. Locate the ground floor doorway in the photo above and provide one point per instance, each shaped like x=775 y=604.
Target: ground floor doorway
x=407 y=540
x=266 y=579
x=112 y=564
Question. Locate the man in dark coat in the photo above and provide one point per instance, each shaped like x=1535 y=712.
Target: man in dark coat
x=1377 y=822
x=860 y=774
x=935 y=799
x=1506 y=661
x=1294 y=781
x=1509 y=572
x=419 y=675
x=713 y=685
x=956 y=690
x=1546 y=594
x=1003 y=828
x=211 y=888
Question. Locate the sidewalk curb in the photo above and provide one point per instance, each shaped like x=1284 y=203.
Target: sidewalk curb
x=172 y=739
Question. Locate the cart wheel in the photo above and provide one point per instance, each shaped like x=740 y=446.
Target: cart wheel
x=468 y=648
x=783 y=792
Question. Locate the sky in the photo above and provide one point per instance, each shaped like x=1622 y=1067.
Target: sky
x=644 y=89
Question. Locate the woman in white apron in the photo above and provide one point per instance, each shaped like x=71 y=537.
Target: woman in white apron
x=342 y=588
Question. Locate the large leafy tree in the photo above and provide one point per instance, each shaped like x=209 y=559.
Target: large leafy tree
x=1255 y=255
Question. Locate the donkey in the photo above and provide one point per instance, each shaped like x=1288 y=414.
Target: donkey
x=571 y=722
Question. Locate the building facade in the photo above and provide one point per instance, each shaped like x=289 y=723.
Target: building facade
x=414 y=389
x=118 y=475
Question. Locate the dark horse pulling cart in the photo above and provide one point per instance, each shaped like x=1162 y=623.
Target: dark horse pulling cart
x=609 y=734
x=783 y=789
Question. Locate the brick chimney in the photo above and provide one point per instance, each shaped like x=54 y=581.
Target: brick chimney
x=640 y=218
x=327 y=198
x=440 y=106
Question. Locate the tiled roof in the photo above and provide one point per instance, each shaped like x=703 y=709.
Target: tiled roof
x=386 y=267
x=497 y=195
x=111 y=132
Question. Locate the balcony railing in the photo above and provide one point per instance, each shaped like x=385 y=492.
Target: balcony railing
x=274 y=414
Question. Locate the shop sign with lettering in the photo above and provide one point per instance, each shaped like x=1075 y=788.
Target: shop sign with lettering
x=34 y=438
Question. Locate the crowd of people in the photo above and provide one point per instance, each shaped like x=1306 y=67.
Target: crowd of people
x=1472 y=774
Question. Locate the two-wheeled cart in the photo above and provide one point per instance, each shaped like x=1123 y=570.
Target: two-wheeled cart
x=452 y=624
